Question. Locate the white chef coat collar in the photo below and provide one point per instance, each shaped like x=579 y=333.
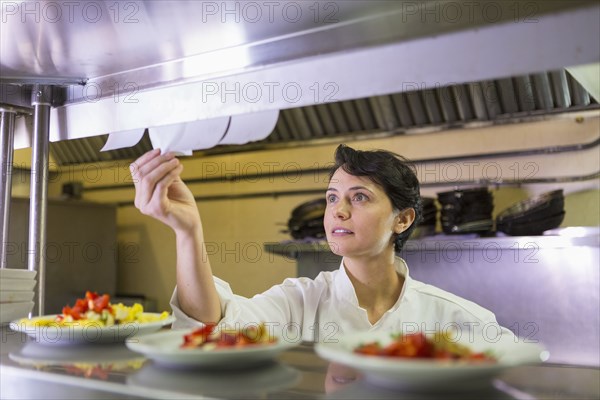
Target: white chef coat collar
x=345 y=289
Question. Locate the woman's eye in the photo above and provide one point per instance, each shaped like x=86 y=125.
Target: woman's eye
x=360 y=197
x=330 y=198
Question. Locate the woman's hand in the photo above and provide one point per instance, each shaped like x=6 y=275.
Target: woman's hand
x=160 y=192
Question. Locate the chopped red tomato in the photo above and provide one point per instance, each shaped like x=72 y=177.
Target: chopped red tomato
x=95 y=371
x=198 y=337
x=370 y=349
x=92 y=301
x=101 y=303
x=478 y=357
x=80 y=307
x=227 y=338
x=412 y=345
x=417 y=345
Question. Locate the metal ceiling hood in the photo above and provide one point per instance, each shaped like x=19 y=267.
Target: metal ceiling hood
x=160 y=63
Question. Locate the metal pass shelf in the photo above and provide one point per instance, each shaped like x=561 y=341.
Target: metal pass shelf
x=30 y=371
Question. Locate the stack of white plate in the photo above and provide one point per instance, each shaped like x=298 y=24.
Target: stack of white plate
x=16 y=293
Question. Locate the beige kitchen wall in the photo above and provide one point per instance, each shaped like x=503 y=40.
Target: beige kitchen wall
x=21 y=175
x=237 y=228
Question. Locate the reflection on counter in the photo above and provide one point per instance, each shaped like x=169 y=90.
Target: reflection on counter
x=342 y=382
x=253 y=383
x=94 y=362
x=361 y=389
x=339 y=376
x=522 y=383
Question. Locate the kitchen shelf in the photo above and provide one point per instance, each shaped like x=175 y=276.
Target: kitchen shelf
x=554 y=239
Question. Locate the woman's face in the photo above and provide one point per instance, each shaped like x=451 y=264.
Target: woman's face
x=359 y=219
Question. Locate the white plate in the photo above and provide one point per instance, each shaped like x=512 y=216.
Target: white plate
x=431 y=374
x=16 y=273
x=9 y=296
x=11 y=311
x=90 y=334
x=164 y=348
x=17 y=284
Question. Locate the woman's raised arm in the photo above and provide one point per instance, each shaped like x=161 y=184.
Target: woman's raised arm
x=161 y=194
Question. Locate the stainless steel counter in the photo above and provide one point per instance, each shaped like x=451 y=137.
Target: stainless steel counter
x=32 y=371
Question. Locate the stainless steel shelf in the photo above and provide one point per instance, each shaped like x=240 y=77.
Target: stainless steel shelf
x=554 y=239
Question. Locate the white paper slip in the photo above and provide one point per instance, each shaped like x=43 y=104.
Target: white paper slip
x=184 y=138
x=246 y=128
x=587 y=76
x=119 y=140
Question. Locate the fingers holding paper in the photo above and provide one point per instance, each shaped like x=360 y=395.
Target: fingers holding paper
x=160 y=192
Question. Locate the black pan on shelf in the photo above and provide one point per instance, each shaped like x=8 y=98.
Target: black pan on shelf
x=309 y=209
x=542 y=206
x=533 y=216
x=466 y=211
x=479 y=226
x=531 y=227
x=464 y=195
x=307 y=219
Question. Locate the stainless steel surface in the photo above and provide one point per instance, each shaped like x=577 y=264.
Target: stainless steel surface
x=162 y=42
x=545 y=288
x=7 y=138
x=331 y=84
x=559 y=238
x=41 y=99
x=14 y=95
x=551 y=295
x=65 y=373
x=136 y=54
x=138 y=36
x=385 y=115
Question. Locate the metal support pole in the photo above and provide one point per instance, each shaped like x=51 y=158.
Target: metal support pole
x=41 y=101
x=7 y=139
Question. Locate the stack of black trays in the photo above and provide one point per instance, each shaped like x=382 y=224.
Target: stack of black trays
x=466 y=211
x=306 y=220
x=533 y=216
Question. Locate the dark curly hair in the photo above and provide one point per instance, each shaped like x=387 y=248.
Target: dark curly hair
x=392 y=172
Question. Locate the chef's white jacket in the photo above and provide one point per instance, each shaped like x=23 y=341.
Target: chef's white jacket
x=326 y=307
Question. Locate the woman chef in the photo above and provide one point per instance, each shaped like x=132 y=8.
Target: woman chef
x=373 y=203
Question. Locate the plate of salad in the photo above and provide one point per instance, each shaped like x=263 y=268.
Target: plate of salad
x=437 y=361
x=92 y=319
x=211 y=346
